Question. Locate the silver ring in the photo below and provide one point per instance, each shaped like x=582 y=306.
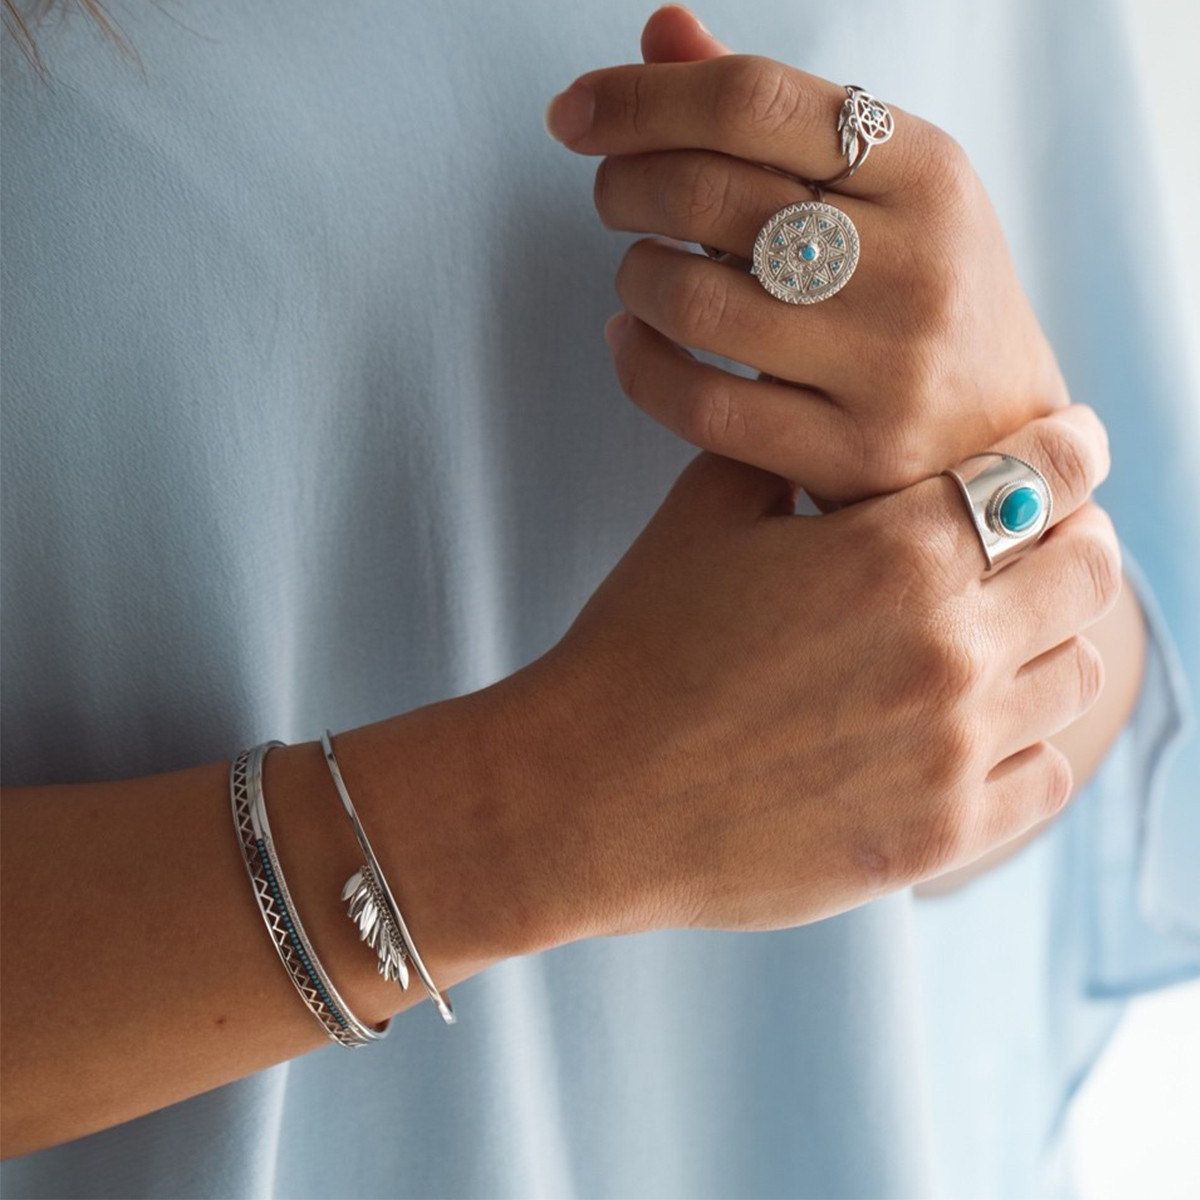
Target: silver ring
x=1009 y=502
x=863 y=122
x=726 y=255
x=805 y=252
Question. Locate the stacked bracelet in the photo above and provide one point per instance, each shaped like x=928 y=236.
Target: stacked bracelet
x=278 y=912
x=373 y=908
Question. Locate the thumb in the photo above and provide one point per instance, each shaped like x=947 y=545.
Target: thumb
x=674 y=34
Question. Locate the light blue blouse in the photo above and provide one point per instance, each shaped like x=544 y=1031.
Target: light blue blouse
x=302 y=353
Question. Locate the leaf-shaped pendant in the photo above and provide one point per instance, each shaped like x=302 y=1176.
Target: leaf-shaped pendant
x=368 y=910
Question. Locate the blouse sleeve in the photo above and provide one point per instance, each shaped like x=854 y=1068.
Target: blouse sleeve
x=1142 y=831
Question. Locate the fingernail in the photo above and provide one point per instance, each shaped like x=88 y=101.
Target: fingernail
x=569 y=115
x=615 y=329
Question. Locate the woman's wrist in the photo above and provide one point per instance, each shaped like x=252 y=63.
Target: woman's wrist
x=438 y=791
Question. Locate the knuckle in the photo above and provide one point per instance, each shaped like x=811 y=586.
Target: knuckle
x=701 y=195
x=954 y=668
x=626 y=365
x=634 y=265
x=942 y=298
x=599 y=193
x=1105 y=530
x=937 y=841
x=1058 y=780
x=757 y=96
x=1067 y=459
x=1100 y=564
x=697 y=307
x=947 y=179
x=635 y=107
x=1088 y=668
x=932 y=276
x=952 y=749
x=1096 y=436
x=715 y=420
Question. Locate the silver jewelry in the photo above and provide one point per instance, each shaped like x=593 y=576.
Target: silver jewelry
x=1009 y=502
x=863 y=122
x=278 y=912
x=373 y=908
x=725 y=255
x=806 y=252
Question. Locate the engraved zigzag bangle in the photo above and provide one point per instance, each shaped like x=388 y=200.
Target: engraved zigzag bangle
x=373 y=908
x=278 y=912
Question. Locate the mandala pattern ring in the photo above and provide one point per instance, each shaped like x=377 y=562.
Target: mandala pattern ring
x=806 y=252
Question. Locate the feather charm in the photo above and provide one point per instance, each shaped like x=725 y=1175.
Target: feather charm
x=369 y=912
x=848 y=127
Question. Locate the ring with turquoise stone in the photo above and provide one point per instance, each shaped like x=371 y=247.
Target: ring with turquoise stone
x=1008 y=500
x=805 y=252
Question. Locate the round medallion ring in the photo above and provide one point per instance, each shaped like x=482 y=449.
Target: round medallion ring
x=806 y=252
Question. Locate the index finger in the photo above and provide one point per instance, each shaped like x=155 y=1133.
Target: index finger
x=744 y=105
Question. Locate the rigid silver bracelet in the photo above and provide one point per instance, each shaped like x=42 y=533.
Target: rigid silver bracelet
x=278 y=912
x=373 y=908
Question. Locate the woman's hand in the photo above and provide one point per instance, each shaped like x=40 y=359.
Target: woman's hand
x=760 y=719
x=929 y=352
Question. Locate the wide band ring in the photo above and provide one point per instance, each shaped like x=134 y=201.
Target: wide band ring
x=864 y=122
x=1009 y=502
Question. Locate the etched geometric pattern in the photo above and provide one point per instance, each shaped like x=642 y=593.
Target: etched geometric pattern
x=806 y=252
x=296 y=959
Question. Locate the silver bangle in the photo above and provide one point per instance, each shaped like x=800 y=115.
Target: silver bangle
x=373 y=908
x=278 y=912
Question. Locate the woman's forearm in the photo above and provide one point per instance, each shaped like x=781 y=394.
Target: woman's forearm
x=1121 y=639
x=696 y=751
x=137 y=969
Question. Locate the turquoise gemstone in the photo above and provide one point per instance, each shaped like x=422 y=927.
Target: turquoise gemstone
x=1020 y=509
x=809 y=252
